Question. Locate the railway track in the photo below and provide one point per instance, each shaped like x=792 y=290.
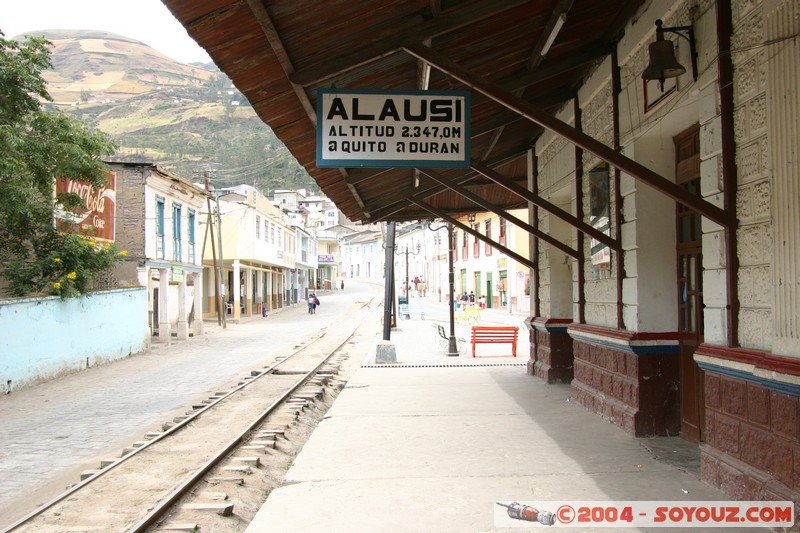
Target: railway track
x=212 y=468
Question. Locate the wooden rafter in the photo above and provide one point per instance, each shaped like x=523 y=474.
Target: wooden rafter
x=500 y=212
x=614 y=158
x=271 y=33
x=447 y=218
x=530 y=196
x=452 y=21
x=386 y=209
x=559 y=10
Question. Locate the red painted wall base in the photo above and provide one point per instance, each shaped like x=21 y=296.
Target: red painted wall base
x=636 y=391
x=551 y=351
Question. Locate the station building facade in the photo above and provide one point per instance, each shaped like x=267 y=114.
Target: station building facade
x=690 y=323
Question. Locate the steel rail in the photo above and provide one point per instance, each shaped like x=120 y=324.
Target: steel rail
x=174 y=429
x=191 y=480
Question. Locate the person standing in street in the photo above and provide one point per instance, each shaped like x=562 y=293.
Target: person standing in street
x=342 y=284
x=311 y=305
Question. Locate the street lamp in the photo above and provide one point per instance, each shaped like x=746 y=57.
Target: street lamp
x=452 y=346
x=437 y=287
x=406 y=252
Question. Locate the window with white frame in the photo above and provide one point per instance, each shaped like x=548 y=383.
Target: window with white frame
x=487 y=251
x=160 y=206
x=600 y=219
x=176 y=232
x=191 y=225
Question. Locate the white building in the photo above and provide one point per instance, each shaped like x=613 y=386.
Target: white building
x=258 y=254
x=362 y=255
x=302 y=277
x=159 y=226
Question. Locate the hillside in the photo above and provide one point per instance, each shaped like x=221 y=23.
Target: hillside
x=186 y=118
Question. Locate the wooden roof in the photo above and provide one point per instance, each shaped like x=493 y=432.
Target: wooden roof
x=279 y=52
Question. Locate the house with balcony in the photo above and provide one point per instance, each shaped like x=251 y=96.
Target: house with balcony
x=253 y=257
x=362 y=255
x=329 y=266
x=489 y=271
x=158 y=224
x=302 y=277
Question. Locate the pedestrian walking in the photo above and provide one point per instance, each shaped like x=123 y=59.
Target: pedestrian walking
x=311 y=305
x=342 y=284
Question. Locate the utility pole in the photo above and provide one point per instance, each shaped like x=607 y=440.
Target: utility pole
x=408 y=295
x=388 y=299
x=219 y=242
x=452 y=348
x=217 y=298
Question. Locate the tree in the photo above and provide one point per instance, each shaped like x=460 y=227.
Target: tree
x=36 y=146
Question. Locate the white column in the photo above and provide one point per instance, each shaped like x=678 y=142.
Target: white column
x=244 y=285
x=197 y=323
x=143 y=275
x=781 y=116
x=270 y=288
x=260 y=290
x=183 y=324
x=236 y=291
x=164 y=327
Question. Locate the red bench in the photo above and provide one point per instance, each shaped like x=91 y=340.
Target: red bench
x=495 y=335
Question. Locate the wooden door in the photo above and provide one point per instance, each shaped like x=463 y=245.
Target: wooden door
x=690 y=285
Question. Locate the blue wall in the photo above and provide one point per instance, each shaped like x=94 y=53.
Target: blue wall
x=42 y=338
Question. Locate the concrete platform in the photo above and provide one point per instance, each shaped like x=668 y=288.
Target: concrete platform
x=432 y=442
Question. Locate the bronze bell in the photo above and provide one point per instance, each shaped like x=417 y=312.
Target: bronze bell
x=662 y=61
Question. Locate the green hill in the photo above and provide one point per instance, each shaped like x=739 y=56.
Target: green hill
x=183 y=117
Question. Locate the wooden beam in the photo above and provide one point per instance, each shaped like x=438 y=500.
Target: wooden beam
x=530 y=196
x=615 y=30
x=559 y=10
x=265 y=22
x=446 y=22
x=386 y=210
x=524 y=260
x=588 y=53
x=261 y=15
x=534 y=114
x=501 y=213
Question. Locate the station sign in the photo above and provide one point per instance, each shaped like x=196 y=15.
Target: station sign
x=384 y=129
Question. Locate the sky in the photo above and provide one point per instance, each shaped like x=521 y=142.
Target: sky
x=148 y=21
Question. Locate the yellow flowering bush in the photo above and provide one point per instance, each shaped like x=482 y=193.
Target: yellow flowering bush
x=80 y=258
x=39 y=143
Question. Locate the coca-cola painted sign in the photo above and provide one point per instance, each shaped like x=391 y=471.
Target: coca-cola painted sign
x=100 y=204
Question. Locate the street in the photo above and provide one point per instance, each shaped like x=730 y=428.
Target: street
x=54 y=431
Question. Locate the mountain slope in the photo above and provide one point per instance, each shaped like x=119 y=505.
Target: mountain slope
x=184 y=117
